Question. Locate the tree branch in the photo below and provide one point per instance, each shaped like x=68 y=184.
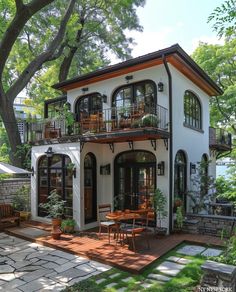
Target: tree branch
x=37 y=63
x=23 y=14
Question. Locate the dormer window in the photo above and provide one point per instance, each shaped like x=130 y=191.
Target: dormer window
x=192 y=111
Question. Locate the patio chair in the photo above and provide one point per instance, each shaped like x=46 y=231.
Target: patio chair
x=137 y=228
x=109 y=225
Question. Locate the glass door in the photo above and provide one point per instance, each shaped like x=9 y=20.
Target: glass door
x=135 y=180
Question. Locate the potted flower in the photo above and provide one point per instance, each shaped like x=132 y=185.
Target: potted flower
x=68 y=225
x=21 y=202
x=159 y=204
x=55 y=209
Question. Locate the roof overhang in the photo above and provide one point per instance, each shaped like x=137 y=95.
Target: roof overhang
x=174 y=55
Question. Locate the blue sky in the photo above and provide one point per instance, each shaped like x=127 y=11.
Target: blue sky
x=174 y=21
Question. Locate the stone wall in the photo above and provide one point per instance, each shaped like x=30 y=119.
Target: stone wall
x=9 y=187
x=210 y=224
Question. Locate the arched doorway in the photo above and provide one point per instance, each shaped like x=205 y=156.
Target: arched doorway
x=135 y=179
x=180 y=178
x=53 y=174
x=90 y=188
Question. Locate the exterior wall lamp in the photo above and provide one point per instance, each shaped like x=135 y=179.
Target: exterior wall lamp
x=84 y=89
x=104 y=98
x=161 y=168
x=32 y=171
x=74 y=172
x=192 y=168
x=49 y=152
x=128 y=78
x=160 y=86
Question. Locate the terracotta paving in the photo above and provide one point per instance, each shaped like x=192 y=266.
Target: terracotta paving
x=89 y=245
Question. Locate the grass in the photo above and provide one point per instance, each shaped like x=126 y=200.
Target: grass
x=186 y=280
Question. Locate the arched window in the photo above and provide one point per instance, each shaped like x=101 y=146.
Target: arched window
x=53 y=174
x=88 y=104
x=180 y=177
x=90 y=188
x=192 y=110
x=140 y=94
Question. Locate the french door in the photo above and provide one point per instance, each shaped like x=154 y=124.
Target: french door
x=135 y=182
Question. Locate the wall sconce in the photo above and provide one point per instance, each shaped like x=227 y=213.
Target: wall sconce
x=105 y=169
x=128 y=78
x=161 y=168
x=104 y=98
x=32 y=171
x=192 y=168
x=49 y=152
x=84 y=89
x=160 y=86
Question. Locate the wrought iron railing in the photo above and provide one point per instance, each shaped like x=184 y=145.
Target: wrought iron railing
x=109 y=119
x=219 y=137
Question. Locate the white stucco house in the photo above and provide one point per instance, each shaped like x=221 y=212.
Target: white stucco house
x=139 y=125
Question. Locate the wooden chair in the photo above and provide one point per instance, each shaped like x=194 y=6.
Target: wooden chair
x=137 y=228
x=103 y=210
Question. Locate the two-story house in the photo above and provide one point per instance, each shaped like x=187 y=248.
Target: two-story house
x=139 y=125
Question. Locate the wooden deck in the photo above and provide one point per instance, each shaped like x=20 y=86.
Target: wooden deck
x=90 y=245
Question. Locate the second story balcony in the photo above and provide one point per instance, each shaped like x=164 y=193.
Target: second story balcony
x=108 y=125
x=219 y=140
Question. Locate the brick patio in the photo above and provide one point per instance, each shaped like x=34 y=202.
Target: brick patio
x=89 y=245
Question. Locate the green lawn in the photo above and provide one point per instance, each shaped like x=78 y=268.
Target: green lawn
x=186 y=279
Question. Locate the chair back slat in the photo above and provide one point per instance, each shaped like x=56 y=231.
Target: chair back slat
x=103 y=210
x=6 y=210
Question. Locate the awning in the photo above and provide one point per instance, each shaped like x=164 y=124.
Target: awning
x=6 y=168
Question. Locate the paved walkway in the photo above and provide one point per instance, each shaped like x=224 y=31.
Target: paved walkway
x=26 y=266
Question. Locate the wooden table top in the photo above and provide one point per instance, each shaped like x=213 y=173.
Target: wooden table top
x=119 y=215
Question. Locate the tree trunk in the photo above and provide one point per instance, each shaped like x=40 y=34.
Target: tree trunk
x=10 y=123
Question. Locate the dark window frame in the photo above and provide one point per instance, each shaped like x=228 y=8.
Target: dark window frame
x=90 y=110
x=192 y=111
x=180 y=167
x=132 y=86
x=57 y=100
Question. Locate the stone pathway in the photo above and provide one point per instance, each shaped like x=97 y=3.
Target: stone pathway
x=29 y=267
x=166 y=270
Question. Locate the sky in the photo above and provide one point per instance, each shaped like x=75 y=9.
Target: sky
x=174 y=21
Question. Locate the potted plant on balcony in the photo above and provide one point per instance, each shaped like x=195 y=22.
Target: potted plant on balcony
x=21 y=202
x=55 y=209
x=159 y=204
x=68 y=225
x=150 y=120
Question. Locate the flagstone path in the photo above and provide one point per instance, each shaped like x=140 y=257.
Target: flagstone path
x=26 y=266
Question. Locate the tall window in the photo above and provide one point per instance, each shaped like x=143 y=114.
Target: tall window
x=192 y=110
x=53 y=174
x=180 y=177
x=141 y=93
x=88 y=104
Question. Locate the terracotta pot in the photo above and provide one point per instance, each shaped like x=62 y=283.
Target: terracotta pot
x=56 y=235
x=56 y=225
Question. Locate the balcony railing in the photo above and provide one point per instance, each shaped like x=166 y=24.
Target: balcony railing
x=219 y=139
x=107 y=120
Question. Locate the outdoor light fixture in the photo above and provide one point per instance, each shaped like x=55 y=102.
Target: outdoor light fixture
x=161 y=168
x=84 y=89
x=32 y=171
x=74 y=172
x=104 y=98
x=160 y=86
x=128 y=78
x=49 y=152
x=192 y=168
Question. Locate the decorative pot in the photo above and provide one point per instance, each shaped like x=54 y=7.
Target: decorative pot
x=56 y=228
x=56 y=235
x=24 y=215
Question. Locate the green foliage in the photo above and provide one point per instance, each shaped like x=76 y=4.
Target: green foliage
x=24 y=153
x=54 y=205
x=229 y=254
x=21 y=200
x=179 y=217
x=68 y=222
x=218 y=61
x=224 y=17
x=159 y=204
x=84 y=286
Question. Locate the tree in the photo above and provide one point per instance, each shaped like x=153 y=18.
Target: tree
x=224 y=17
x=219 y=63
x=49 y=39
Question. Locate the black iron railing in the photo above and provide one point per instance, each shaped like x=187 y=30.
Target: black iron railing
x=109 y=119
x=219 y=137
